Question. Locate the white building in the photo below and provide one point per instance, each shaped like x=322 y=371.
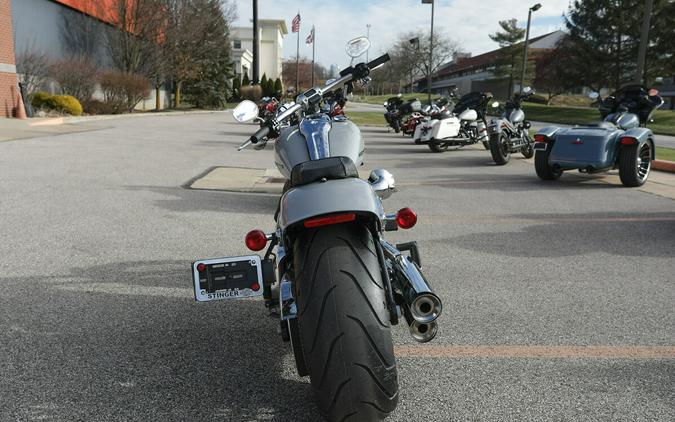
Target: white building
x=270 y=49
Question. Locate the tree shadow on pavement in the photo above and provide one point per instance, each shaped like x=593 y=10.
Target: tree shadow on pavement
x=188 y=200
x=621 y=234
x=126 y=341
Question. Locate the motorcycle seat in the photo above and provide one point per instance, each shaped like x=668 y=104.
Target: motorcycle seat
x=327 y=168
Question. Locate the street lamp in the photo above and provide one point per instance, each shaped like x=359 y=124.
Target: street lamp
x=431 y=48
x=527 y=39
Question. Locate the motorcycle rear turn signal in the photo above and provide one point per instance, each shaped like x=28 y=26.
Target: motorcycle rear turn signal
x=406 y=218
x=256 y=240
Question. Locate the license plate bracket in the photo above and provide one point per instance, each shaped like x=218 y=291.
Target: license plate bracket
x=227 y=278
x=540 y=146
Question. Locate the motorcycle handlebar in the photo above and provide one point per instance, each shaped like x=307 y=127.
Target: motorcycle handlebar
x=378 y=61
x=260 y=134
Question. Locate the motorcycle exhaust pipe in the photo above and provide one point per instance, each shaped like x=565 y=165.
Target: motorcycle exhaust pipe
x=422 y=303
x=421 y=332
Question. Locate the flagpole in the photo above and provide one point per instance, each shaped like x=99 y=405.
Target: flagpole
x=313 y=48
x=297 y=63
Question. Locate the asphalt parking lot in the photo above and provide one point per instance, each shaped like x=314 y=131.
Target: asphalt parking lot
x=558 y=297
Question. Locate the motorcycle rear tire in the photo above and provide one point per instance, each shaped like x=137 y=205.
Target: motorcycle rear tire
x=499 y=149
x=528 y=151
x=543 y=168
x=344 y=323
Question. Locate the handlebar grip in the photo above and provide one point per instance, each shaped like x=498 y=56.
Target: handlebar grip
x=378 y=61
x=260 y=134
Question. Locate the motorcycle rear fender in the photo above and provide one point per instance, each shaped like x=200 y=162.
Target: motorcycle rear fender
x=549 y=132
x=642 y=134
x=332 y=196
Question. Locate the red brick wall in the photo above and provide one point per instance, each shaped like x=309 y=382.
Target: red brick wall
x=8 y=87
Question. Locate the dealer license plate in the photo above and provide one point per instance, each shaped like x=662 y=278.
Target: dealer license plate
x=227 y=278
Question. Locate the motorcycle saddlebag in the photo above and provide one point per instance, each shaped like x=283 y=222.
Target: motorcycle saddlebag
x=411 y=107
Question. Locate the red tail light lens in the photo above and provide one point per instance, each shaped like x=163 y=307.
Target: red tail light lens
x=256 y=240
x=627 y=140
x=330 y=219
x=201 y=267
x=406 y=218
x=255 y=287
x=539 y=138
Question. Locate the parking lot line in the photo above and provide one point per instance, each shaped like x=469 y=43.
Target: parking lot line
x=544 y=352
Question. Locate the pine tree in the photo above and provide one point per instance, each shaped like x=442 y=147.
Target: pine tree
x=245 y=81
x=263 y=85
x=509 y=62
x=278 y=88
x=236 y=86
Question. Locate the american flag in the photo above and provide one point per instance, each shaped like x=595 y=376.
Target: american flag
x=295 y=25
x=310 y=37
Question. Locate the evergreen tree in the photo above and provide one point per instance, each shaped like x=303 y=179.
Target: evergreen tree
x=236 y=86
x=263 y=85
x=278 y=89
x=509 y=62
x=245 y=81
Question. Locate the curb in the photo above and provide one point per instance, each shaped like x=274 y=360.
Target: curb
x=67 y=120
x=663 y=165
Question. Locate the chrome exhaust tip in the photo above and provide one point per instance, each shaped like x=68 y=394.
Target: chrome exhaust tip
x=423 y=332
x=425 y=308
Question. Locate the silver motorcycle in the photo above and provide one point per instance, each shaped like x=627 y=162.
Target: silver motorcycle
x=335 y=284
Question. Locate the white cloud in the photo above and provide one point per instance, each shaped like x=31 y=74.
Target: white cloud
x=467 y=21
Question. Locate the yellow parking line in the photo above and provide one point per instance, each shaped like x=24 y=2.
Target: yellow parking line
x=544 y=352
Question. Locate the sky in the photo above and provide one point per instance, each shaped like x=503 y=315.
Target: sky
x=467 y=21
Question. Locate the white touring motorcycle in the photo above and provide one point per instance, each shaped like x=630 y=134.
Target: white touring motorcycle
x=465 y=125
x=328 y=274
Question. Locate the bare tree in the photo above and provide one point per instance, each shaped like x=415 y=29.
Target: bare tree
x=33 y=67
x=82 y=36
x=410 y=55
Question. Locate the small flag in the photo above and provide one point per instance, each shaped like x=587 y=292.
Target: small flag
x=295 y=25
x=310 y=37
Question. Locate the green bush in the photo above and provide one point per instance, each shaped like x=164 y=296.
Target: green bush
x=278 y=89
x=39 y=99
x=245 y=81
x=64 y=104
x=236 y=87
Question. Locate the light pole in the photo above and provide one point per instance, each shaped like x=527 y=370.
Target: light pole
x=642 y=53
x=527 y=39
x=431 y=49
x=367 y=36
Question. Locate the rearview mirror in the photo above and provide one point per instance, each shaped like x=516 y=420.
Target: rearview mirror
x=245 y=111
x=357 y=47
x=527 y=90
x=495 y=104
x=652 y=92
x=593 y=95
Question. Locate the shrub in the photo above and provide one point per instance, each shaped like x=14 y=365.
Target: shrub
x=245 y=81
x=64 y=104
x=101 y=107
x=251 y=92
x=76 y=77
x=39 y=99
x=124 y=90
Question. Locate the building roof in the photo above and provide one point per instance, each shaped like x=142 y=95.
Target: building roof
x=280 y=22
x=541 y=42
x=103 y=10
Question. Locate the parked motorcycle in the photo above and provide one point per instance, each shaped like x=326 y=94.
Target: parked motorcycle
x=621 y=140
x=465 y=125
x=392 y=115
x=328 y=274
x=510 y=133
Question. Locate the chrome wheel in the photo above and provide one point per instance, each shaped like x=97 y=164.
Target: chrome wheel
x=644 y=162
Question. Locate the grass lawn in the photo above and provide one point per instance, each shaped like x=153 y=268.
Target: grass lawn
x=664 y=121
x=665 y=154
x=369 y=118
x=380 y=99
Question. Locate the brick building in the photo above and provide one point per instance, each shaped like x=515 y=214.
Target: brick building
x=8 y=86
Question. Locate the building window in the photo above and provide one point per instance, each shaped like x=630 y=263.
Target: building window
x=236 y=43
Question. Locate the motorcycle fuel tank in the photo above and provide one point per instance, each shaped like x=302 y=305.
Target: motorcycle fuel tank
x=517 y=116
x=468 y=115
x=315 y=138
